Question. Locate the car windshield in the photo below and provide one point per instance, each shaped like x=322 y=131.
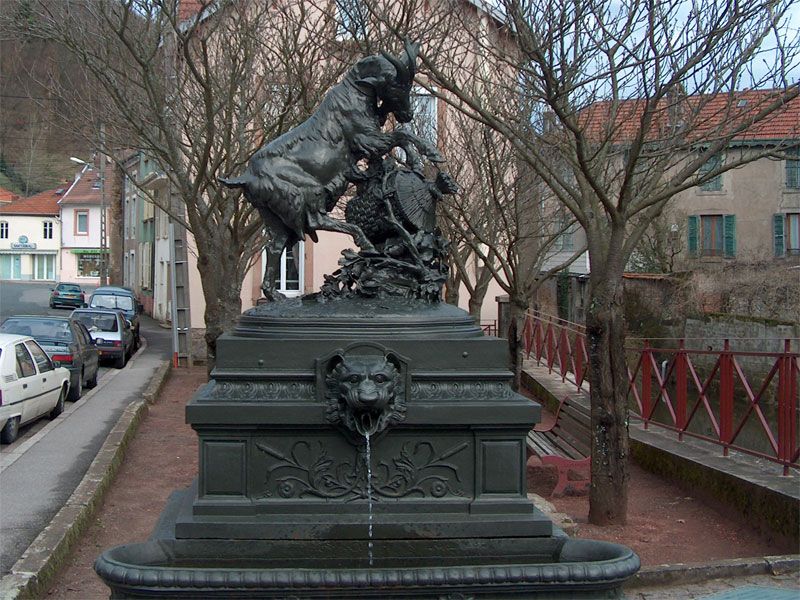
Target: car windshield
x=41 y=329
x=100 y=322
x=106 y=301
x=69 y=287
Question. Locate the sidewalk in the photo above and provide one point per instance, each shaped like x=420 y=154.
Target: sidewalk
x=119 y=401
x=161 y=457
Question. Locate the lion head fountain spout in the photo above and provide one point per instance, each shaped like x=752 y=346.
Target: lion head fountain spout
x=365 y=389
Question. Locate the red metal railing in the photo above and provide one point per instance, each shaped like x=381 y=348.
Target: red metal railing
x=489 y=327
x=684 y=397
x=561 y=345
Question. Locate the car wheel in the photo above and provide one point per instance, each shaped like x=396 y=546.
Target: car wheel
x=76 y=390
x=59 y=407
x=10 y=431
x=91 y=383
x=120 y=362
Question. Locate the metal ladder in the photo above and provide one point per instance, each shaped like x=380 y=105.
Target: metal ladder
x=181 y=318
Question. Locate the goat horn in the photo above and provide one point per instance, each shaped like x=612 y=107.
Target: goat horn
x=403 y=74
x=411 y=52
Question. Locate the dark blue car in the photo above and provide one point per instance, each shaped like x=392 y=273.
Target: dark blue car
x=66 y=341
x=67 y=294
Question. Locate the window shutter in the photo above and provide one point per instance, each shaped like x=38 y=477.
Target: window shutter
x=793 y=168
x=693 y=230
x=778 y=239
x=712 y=164
x=729 y=235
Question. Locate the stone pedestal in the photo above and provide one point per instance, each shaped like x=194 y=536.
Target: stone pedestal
x=274 y=465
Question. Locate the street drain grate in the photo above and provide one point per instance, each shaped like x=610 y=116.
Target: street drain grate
x=755 y=592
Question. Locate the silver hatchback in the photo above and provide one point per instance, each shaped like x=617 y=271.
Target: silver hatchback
x=111 y=333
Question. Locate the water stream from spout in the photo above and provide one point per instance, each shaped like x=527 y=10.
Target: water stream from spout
x=370 y=545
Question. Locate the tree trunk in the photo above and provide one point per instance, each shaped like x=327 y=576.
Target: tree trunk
x=222 y=285
x=115 y=230
x=605 y=331
x=475 y=306
x=478 y=295
x=452 y=288
x=516 y=347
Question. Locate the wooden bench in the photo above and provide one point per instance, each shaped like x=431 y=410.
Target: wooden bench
x=567 y=444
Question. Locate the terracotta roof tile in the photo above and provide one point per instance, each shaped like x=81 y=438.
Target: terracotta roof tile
x=45 y=203
x=86 y=190
x=713 y=113
x=189 y=8
x=7 y=196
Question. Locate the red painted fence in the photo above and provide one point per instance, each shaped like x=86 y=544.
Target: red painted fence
x=667 y=379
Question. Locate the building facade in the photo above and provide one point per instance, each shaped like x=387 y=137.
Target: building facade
x=30 y=237
x=750 y=214
x=82 y=246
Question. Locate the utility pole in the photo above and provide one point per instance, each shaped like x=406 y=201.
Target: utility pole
x=103 y=228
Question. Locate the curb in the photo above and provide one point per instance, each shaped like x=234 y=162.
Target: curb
x=32 y=573
x=686 y=573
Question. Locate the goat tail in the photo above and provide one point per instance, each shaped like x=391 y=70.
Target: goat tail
x=233 y=182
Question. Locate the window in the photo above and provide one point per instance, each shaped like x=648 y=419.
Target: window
x=89 y=264
x=351 y=19
x=715 y=183
x=25 y=366
x=81 y=222
x=712 y=235
x=44 y=267
x=148 y=210
x=786 y=234
x=10 y=266
x=40 y=357
x=131 y=268
x=290 y=281
x=146 y=253
x=4 y=230
x=564 y=240
x=425 y=123
x=793 y=168
x=133 y=217
x=48 y=230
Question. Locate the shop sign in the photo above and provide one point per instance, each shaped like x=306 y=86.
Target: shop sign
x=23 y=244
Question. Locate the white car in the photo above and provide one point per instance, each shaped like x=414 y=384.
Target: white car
x=31 y=385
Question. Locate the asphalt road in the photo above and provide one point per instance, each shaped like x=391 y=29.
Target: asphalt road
x=30 y=298
x=41 y=469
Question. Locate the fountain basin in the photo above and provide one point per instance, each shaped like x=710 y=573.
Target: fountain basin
x=555 y=567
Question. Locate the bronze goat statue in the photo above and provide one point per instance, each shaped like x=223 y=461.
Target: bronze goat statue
x=297 y=179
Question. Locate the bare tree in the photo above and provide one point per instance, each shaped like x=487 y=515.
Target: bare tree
x=616 y=108
x=502 y=222
x=661 y=244
x=198 y=87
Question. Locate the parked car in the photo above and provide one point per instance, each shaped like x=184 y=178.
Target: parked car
x=119 y=298
x=67 y=294
x=67 y=341
x=111 y=332
x=31 y=384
